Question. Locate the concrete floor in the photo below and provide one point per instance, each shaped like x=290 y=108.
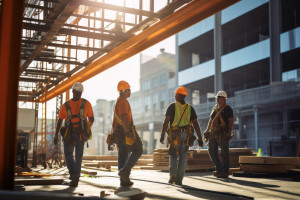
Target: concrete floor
x=196 y=185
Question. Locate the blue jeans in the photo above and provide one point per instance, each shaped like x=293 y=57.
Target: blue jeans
x=221 y=167
x=126 y=159
x=74 y=166
x=177 y=170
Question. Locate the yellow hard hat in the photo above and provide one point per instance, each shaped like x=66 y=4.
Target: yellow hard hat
x=181 y=90
x=123 y=85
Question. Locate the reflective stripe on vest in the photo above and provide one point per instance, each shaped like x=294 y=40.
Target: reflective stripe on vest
x=185 y=119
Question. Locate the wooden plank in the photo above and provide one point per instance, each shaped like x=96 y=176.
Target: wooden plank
x=37 y=181
x=269 y=160
x=89 y=172
x=266 y=168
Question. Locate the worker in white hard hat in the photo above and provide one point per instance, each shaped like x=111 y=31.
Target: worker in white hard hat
x=219 y=133
x=79 y=117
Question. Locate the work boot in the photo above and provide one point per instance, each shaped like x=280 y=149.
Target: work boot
x=222 y=175
x=73 y=183
x=217 y=174
x=178 y=183
x=124 y=178
x=172 y=180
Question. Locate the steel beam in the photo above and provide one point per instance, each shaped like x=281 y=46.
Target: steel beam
x=134 y=11
x=10 y=44
x=67 y=46
x=35 y=80
x=186 y=16
x=87 y=34
x=50 y=60
x=43 y=72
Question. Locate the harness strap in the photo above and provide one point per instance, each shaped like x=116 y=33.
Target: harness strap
x=176 y=122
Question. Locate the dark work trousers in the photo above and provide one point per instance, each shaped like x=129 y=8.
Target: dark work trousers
x=126 y=159
x=221 y=167
x=74 y=165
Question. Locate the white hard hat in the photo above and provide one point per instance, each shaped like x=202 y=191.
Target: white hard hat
x=222 y=94
x=78 y=87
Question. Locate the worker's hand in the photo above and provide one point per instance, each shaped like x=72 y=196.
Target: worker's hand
x=200 y=142
x=55 y=139
x=162 y=138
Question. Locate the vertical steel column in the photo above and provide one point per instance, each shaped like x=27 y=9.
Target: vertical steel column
x=274 y=29
x=218 y=82
x=10 y=43
x=34 y=155
x=255 y=110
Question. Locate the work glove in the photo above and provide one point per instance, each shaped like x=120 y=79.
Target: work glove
x=162 y=138
x=200 y=142
x=55 y=139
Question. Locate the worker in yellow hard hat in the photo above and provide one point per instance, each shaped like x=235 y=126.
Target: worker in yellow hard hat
x=129 y=143
x=218 y=133
x=181 y=119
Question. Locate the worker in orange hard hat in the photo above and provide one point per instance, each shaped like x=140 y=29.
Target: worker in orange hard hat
x=124 y=131
x=181 y=119
x=123 y=85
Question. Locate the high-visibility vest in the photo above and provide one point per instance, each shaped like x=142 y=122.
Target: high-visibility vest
x=185 y=119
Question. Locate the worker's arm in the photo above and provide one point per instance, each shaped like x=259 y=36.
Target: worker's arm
x=198 y=131
x=58 y=126
x=164 y=129
x=230 y=126
x=91 y=119
x=124 y=122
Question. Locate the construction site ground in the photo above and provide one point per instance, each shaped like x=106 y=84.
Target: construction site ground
x=153 y=184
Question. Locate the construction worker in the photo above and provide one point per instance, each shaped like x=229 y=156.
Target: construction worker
x=128 y=141
x=183 y=120
x=75 y=112
x=218 y=133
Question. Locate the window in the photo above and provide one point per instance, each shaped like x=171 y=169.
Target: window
x=163 y=79
x=146 y=85
x=195 y=59
x=163 y=96
x=154 y=82
x=155 y=98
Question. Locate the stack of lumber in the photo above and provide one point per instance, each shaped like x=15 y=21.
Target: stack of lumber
x=108 y=161
x=198 y=159
x=268 y=164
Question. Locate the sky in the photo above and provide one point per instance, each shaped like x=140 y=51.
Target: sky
x=104 y=85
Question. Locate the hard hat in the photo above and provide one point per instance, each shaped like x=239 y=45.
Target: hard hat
x=78 y=87
x=221 y=94
x=123 y=85
x=181 y=90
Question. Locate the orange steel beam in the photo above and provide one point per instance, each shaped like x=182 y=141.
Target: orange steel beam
x=185 y=17
x=10 y=51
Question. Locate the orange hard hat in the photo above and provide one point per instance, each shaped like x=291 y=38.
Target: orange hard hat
x=123 y=85
x=181 y=90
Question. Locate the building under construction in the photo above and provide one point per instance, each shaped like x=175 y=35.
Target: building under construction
x=48 y=45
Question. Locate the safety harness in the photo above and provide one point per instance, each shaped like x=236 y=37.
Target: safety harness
x=83 y=126
x=215 y=130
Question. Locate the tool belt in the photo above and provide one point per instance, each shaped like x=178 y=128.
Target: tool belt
x=216 y=132
x=173 y=138
x=118 y=135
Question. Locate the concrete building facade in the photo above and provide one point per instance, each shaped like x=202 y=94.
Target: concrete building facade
x=157 y=84
x=251 y=50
